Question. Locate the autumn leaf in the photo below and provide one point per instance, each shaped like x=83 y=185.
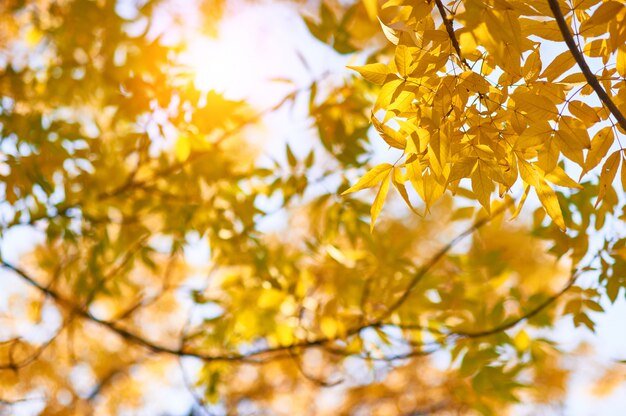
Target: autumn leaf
x=371 y=178
x=609 y=170
x=374 y=73
x=600 y=145
x=379 y=201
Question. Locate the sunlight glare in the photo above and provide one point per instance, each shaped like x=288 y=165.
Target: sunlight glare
x=214 y=65
x=219 y=64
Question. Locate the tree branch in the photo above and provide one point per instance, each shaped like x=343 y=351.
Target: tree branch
x=38 y=351
x=112 y=375
x=249 y=357
x=150 y=345
x=438 y=255
x=510 y=324
x=447 y=22
x=580 y=60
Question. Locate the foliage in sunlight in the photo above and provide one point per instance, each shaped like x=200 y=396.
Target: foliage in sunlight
x=390 y=260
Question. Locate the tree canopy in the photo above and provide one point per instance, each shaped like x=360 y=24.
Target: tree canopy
x=451 y=202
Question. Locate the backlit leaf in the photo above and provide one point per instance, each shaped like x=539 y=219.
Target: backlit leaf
x=379 y=201
x=371 y=178
x=375 y=73
x=609 y=170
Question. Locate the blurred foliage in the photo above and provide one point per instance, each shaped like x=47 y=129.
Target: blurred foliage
x=110 y=152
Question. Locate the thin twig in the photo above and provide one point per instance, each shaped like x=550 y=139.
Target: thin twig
x=447 y=22
x=438 y=255
x=253 y=357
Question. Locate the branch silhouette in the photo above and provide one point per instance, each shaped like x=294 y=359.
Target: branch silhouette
x=580 y=60
x=259 y=356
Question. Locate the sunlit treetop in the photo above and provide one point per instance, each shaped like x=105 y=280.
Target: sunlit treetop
x=474 y=92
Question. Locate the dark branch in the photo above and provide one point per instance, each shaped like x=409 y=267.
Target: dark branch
x=152 y=346
x=249 y=357
x=447 y=22
x=313 y=379
x=580 y=60
x=287 y=351
x=510 y=324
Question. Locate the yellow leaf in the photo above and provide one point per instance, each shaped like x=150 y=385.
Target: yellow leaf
x=371 y=178
x=548 y=156
x=601 y=16
x=467 y=43
x=463 y=213
x=609 y=170
x=575 y=78
x=389 y=135
x=521 y=341
x=402 y=102
x=390 y=34
x=535 y=135
x=414 y=173
x=375 y=73
x=532 y=67
x=182 y=148
x=433 y=190
x=483 y=151
x=583 y=111
x=379 y=201
x=558 y=177
x=482 y=186
x=537 y=107
x=561 y=64
x=585 y=4
x=546 y=29
x=398 y=183
x=546 y=194
x=284 y=334
x=270 y=298
x=33 y=36
x=600 y=145
x=621 y=61
x=420 y=137
x=550 y=203
x=387 y=92
x=570 y=145
x=371 y=7
x=329 y=327
x=578 y=129
x=403 y=60
x=597 y=48
x=528 y=173
x=474 y=82
x=462 y=169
